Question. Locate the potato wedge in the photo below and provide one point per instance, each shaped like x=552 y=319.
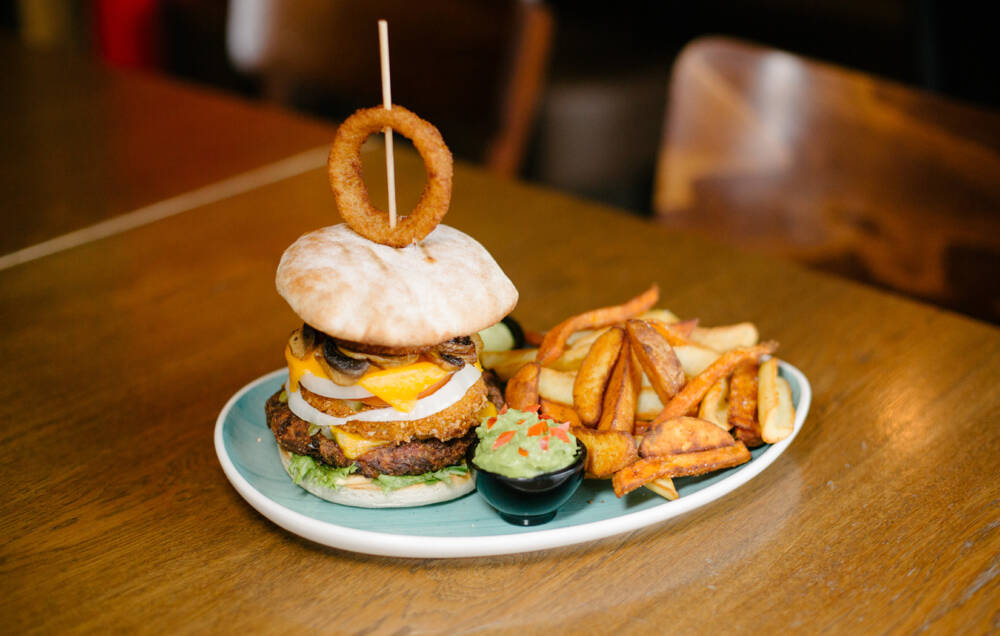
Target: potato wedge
x=742 y=414
x=573 y=357
x=507 y=363
x=727 y=337
x=607 y=451
x=554 y=342
x=715 y=405
x=774 y=404
x=618 y=408
x=656 y=358
x=556 y=385
x=559 y=412
x=522 y=389
x=592 y=378
x=683 y=435
x=695 y=358
x=691 y=395
x=664 y=487
x=684 y=465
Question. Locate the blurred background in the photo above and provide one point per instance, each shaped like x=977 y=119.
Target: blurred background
x=816 y=126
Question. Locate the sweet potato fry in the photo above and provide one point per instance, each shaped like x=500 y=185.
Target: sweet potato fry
x=607 y=451
x=533 y=338
x=683 y=435
x=507 y=363
x=691 y=395
x=727 y=337
x=715 y=405
x=672 y=333
x=684 y=327
x=556 y=385
x=559 y=412
x=684 y=465
x=522 y=389
x=774 y=404
x=592 y=378
x=555 y=339
x=742 y=412
x=664 y=487
x=657 y=359
x=618 y=408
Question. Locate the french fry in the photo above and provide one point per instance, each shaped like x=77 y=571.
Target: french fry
x=522 y=389
x=556 y=386
x=683 y=435
x=663 y=315
x=607 y=451
x=618 y=408
x=649 y=405
x=715 y=405
x=576 y=350
x=507 y=363
x=691 y=395
x=656 y=358
x=555 y=339
x=671 y=333
x=664 y=487
x=646 y=470
x=695 y=358
x=774 y=404
x=742 y=414
x=592 y=378
x=559 y=412
x=727 y=337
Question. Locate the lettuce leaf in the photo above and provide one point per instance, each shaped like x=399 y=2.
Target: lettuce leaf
x=395 y=482
x=302 y=467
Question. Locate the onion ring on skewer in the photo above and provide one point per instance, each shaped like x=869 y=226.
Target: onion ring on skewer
x=348 y=185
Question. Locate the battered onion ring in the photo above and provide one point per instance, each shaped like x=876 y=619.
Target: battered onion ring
x=347 y=178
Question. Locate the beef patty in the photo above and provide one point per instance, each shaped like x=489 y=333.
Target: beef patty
x=413 y=457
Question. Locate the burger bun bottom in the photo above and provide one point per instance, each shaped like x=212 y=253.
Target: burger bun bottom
x=362 y=492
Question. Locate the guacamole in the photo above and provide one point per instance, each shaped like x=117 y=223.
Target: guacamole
x=519 y=444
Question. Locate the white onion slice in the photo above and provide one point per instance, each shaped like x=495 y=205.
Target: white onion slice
x=328 y=388
x=436 y=402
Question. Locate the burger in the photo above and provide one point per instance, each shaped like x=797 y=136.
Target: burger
x=384 y=386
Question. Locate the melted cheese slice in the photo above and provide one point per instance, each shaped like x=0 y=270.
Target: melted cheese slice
x=354 y=446
x=297 y=368
x=400 y=387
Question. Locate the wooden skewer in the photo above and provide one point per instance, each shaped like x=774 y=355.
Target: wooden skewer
x=390 y=170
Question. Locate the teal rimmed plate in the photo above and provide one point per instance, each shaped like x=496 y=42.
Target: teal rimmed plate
x=464 y=527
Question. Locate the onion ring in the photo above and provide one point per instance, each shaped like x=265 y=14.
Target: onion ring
x=348 y=185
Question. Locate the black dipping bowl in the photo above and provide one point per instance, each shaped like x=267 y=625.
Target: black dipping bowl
x=529 y=501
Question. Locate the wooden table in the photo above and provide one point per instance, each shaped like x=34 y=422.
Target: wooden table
x=883 y=515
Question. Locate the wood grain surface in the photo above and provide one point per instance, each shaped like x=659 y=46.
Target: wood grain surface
x=883 y=515
x=838 y=169
x=83 y=142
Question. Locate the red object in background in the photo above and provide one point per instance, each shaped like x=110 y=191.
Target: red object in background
x=128 y=32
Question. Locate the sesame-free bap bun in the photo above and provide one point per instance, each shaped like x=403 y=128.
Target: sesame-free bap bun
x=348 y=287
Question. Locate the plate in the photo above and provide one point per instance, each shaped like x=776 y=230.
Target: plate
x=464 y=527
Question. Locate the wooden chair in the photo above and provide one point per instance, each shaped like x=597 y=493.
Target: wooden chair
x=837 y=169
x=474 y=69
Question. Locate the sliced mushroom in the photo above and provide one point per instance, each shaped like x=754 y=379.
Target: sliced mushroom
x=342 y=370
x=304 y=341
x=384 y=362
x=464 y=348
x=446 y=361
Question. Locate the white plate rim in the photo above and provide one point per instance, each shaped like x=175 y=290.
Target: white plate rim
x=403 y=545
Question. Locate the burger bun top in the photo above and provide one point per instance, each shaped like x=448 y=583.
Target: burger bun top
x=351 y=288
